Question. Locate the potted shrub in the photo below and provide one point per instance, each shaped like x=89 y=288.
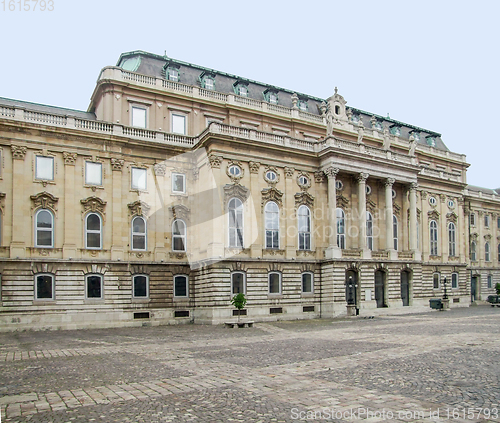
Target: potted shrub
x=239 y=302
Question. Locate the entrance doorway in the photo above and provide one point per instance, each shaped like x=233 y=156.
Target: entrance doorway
x=474 y=291
x=405 y=288
x=380 y=288
x=352 y=289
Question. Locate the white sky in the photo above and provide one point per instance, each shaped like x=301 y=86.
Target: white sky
x=433 y=64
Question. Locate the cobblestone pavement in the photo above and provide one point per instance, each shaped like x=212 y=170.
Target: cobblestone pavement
x=436 y=366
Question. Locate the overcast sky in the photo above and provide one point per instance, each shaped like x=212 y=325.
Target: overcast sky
x=432 y=64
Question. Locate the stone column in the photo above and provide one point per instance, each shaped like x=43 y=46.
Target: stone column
x=160 y=252
x=117 y=250
x=389 y=235
x=413 y=221
x=20 y=213
x=362 y=177
x=70 y=214
x=258 y=239
x=333 y=250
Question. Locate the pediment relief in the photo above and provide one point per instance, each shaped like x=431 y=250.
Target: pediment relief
x=371 y=206
x=235 y=190
x=342 y=202
x=433 y=215
x=180 y=211
x=93 y=204
x=452 y=217
x=303 y=198
x=44 y=200
x=473 y=236
x=396 y=209
x=138 y=208
x=487 y=237
x=272 y=194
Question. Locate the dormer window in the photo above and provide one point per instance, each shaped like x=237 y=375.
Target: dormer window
x=207 y=81
x=431 y=141
x=241 y=88
x=396 y=130
x=173 y=74
x=271 y=96
x=303 y=105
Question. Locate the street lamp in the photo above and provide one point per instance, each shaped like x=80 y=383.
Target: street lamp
x=350 y=300
x=445 y=296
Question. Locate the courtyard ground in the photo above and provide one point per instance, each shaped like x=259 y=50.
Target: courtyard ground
x=434 y=366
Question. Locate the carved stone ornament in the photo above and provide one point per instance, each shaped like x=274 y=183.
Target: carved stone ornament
x=303 y=198
x=117 y=164
x=487 y=237
x=319 y=176
x=160 y=169
x=196 y=173
x=215 y=161
x=342 y=202
x=443 y=198
x=44 y=200
x=235 y=179
x=362 y=177
x=289 y=172
x=423 y=194
x=331 y=172
x=139 y=208
x=69 y=158
x=178 y=256
x=473 y=236
x=274 y=169
x=18 y=152
x=389 y=182
x=273 y=252
x=433 y=215
x=254 y=167
x=180 y=211
x=452 y=217
x=304 y=186
x=272 y=194
x=237 y=190
x=396 y=209
x=371 y=206
x=93 y=204
x=2 y=201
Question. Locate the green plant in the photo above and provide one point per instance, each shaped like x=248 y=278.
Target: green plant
x=239 y=302
x=497 y=287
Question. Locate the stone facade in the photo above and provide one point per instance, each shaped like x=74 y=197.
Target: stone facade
x=172 y=193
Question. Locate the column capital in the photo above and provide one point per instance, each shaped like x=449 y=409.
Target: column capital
x=389 y=182
x=413 y=185
x=362 y=177
x=331 y=172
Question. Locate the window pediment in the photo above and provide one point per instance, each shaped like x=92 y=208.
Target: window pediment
x=138 y=208
x=93 y=204
x=304 y=198
x=44 y=200
x=271 y=194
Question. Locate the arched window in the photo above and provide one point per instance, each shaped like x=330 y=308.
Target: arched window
x=340 y=228
x=44 y=286
x=433 y=237
x=304 y=220
x=138 y=233
x=235 y=223
x=473 y=251
x=274 y=282
x=93 y=231
x=44 y=229
x=369 y=230
x=238 y=283
x=272 y=223
x=178 y=235
x=307 y=282
x=94 y=286
x=451 y=239
x=395 y=231
x=181 y=286
x=140 y=285
x=487 y=251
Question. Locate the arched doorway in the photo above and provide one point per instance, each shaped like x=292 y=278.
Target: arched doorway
x=380 y=288
x=475 y=288
x=405 y=287
x=352 y=288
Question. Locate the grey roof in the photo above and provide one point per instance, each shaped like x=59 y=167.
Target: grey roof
x=483 y=190
x=44 y=108
x=154 y=65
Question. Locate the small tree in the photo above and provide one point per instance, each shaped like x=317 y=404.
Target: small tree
x=497 y=287
x=239 y=302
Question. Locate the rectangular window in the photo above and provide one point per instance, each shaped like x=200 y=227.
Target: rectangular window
x=237 y=283
x=274 y=283
x=178 y=183
x=44 y=287
x=454 y=280
x=44 y=168
x=139 y=177
x=94 y=286
x=141 y=288
x=436 y=281
x=273 y=99
x=498 y=222
x=472 y=219
x=209 y=84
x=307 y=283
x=173 y=75
x=490 y=282
x=487 y=220
x=180 y=286
x=178 y=124
x=244 y=91
x=93 y=173
x=138 y=117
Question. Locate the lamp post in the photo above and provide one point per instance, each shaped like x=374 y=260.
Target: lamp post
x=350 y=300
x=445 y=296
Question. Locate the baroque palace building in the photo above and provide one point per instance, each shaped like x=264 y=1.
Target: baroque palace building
x=182 y=186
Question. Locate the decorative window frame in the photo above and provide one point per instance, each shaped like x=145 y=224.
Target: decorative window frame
x=180 y=297
x=138 y=166
x=52 y=230
x=238 y=85
x=235 y=228
x=232 y=282
x=139 y=106
x=311 y=292
x=204 y=77
x=89 y=184
x=274 y=170
x=307 y=246
x=183 y=238
x=145 y=234
x=280 y=288
x=235 y=178
x=101 y=230
x=44 y=155
x=87 y=276
x=267 y=95
x=184 y=183
x=272 y=247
